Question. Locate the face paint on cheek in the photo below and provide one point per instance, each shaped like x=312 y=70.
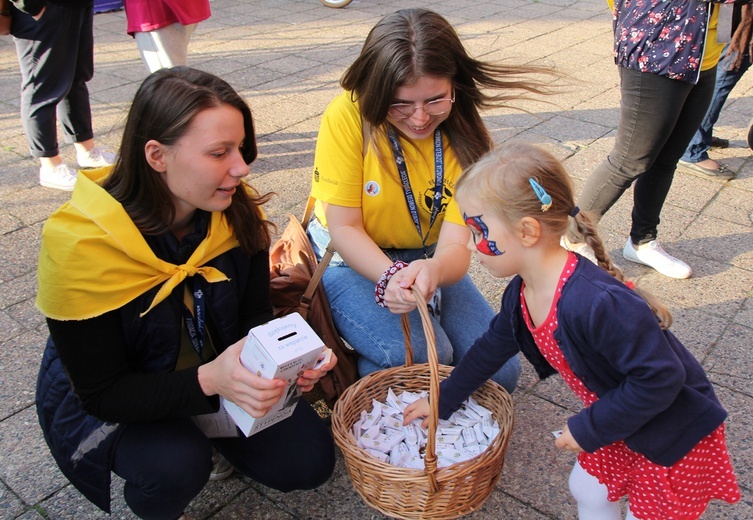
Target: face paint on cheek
x=485 y=246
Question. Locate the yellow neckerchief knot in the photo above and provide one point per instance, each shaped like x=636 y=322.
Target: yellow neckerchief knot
x=94 y=260
x=180 y=273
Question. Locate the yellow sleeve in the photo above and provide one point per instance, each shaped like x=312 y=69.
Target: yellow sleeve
x=338 y=159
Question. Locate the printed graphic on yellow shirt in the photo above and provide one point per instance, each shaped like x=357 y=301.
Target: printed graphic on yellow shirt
x=427 y=201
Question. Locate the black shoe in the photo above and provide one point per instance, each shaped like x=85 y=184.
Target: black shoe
x=718 y=142
x=750 y=136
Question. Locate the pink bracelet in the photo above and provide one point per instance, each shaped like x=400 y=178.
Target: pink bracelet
x=381 y=285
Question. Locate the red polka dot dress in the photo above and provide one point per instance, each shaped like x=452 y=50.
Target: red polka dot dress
x=678 y=492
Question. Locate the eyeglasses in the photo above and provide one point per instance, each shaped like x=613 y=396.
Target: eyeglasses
x=432 y=108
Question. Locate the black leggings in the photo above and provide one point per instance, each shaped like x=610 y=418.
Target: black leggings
x=166 y=464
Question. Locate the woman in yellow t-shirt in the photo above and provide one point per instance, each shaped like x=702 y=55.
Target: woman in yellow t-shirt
x=389 y=153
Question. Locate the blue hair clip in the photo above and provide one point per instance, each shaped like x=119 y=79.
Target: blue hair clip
x=544 y=197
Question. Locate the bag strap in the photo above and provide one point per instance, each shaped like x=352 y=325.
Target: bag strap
x=316 y=277
x=308 y=294
x=307 y=212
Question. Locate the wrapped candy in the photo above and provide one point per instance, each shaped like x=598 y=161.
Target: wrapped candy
x=381 y=433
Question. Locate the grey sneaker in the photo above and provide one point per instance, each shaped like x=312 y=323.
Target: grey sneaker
x=653 y=255
x=60 y=177
x=221 y=468
x=96 y=158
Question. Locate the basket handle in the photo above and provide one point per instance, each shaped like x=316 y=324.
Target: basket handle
x=430 y=457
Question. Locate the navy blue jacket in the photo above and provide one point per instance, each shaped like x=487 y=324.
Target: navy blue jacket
x=653 y=394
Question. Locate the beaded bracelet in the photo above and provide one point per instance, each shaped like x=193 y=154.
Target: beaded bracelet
x=381 y=285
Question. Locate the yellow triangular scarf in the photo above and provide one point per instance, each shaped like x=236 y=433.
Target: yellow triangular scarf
x=93 y=258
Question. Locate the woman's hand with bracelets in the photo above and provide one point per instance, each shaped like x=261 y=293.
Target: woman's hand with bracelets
x=380 y=290
x=394 y=286
x=424 y=274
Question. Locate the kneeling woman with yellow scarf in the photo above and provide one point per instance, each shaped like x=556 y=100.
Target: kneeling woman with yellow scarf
x=150 y=279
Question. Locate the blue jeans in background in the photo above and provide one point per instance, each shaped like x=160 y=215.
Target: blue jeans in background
x=376 y=333
x=726 y=80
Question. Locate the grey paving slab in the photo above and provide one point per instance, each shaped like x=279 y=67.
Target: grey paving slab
x=729 y=365
x=745 y=315
x=533 y=463
x=705 y=235
x=20 y=355
x=68 y=504
x=286 y=58
x=10 y=505
x=26 y=465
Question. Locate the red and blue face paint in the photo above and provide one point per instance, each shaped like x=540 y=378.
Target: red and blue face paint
x=478 y=227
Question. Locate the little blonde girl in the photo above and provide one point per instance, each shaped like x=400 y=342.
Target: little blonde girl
x=651 y=427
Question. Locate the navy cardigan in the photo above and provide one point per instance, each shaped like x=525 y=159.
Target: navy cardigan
x=653 y=394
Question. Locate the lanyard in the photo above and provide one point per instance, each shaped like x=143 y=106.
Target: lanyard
x=193 y=316
x=410 y=199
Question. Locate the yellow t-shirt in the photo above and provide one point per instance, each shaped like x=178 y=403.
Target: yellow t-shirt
x=344 y=176
x=712 y=51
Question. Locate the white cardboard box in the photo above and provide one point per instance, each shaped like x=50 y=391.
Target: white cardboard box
x=280 y=349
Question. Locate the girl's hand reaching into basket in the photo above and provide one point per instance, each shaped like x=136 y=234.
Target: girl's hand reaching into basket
x=417 y=410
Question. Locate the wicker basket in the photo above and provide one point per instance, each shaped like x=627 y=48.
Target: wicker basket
x=432 y=493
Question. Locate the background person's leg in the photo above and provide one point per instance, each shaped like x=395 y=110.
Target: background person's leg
x=697 y=150
x=74 y=110
x=687 y=103
x=164 y=47
x=648 y=115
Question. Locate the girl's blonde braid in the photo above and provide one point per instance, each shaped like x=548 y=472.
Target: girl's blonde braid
x=588 y=231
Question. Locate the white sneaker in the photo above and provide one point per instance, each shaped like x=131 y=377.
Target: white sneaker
x=653 y=255
x=582 y=249
x=221 y=468
x=60 y=177
x=96 y=158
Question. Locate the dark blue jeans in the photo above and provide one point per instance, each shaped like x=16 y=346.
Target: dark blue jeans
x=165 y=464
x=726 y=80
x=658 y=117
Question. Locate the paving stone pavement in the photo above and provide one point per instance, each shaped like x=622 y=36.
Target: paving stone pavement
x=285 y=57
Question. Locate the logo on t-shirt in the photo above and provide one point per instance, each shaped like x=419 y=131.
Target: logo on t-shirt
x=372 y=188
x=427 y=201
